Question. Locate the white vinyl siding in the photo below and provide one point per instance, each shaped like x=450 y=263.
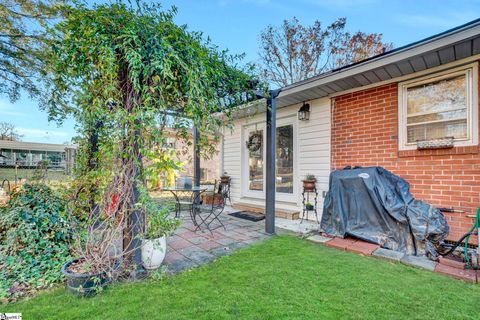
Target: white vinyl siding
x=314 y=147
x=311 y=146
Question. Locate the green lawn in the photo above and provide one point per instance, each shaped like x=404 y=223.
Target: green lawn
x=23 y=173
x=282 y=278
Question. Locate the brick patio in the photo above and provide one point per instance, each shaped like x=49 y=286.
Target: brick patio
x=188 y=248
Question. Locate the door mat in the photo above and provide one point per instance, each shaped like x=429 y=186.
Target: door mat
x=248 y=215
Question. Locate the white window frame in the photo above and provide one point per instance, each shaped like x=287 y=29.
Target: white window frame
x=290 y=197
x=280 y=196
x=471 y=73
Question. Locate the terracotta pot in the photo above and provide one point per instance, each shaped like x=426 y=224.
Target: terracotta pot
x=309 y=185
x=225 y=179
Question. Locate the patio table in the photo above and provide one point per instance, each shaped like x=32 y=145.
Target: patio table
x=184 y=197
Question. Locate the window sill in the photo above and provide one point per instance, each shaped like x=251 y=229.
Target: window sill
x=439 y=152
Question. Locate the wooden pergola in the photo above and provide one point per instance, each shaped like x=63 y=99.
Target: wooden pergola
x=270 y=168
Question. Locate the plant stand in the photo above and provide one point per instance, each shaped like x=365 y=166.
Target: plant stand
x=225 y=188
x=307 y=195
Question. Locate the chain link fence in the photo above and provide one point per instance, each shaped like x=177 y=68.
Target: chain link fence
x=23 y=162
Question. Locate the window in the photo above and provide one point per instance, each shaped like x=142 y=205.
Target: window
x=170 y=143
x=284 y=182
x=439 y=107
x=255 y=161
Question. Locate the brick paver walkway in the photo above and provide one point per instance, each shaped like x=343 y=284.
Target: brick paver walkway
x=188 y=248
x=445 y=266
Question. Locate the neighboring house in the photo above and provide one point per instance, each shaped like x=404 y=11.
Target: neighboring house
x=373 y=113
x=29 y=154
x=209 y=168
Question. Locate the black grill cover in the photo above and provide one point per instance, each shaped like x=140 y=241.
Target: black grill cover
x=375 y=205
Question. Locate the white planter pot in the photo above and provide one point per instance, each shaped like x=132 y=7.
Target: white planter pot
x=153 y=252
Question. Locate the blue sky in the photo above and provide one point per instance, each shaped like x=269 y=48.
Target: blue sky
x=236 y=24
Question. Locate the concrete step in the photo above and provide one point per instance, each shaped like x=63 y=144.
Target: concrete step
x=280 y=213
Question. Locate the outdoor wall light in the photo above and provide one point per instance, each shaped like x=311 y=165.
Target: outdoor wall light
x=304 y=112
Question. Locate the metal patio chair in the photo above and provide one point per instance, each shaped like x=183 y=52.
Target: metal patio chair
x=207 y=208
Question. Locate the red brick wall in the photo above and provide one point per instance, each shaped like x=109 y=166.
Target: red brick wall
x=365 y=133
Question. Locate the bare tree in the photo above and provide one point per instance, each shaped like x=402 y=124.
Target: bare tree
x=293 y=52
x=357 y=47
x=9 y=132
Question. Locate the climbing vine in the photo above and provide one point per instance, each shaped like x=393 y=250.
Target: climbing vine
x=124 y=71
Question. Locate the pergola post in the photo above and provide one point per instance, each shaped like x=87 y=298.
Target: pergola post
x=137 y=219
x=93 y=159
x=196 y=158
x=270 y=162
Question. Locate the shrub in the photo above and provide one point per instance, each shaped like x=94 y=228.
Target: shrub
x=158 y=223
x=34 y=240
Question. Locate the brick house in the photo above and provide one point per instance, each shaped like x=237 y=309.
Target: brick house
x=377 y=112
x=209 y=168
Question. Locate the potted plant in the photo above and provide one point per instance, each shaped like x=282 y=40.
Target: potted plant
x=97 y=261
x=84 y=279
x=309 y=182
x=97 y=244
x=154 y=243
x=309 y=206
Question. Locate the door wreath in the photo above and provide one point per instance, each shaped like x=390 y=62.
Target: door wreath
x=254 y=142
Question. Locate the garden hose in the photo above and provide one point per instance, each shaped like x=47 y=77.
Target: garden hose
x=473 y=231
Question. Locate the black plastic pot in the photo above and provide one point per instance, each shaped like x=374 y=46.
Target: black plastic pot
x=85 y=285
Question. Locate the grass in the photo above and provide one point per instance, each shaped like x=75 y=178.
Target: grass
x=282 y=278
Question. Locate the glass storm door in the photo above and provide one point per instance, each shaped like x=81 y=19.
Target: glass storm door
x=255 y=151
x=284 y=159
x=254 y=168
